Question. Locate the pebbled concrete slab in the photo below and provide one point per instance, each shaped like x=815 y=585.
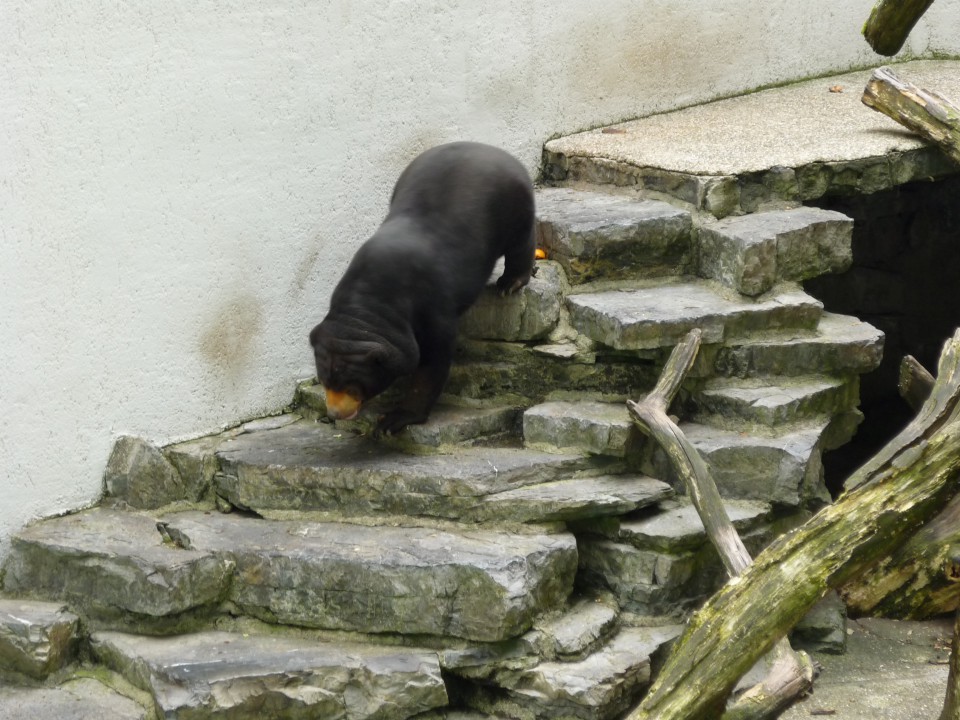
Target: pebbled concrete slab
x=220 y=674
x=595 y=235
x=892 y=670
x=80 y=699
x=36 y=638
x=662 y=315
x=795 y=142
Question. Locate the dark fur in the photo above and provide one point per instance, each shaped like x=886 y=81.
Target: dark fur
x=454 y=211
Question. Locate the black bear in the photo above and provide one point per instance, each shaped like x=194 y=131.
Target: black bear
x=454 y=211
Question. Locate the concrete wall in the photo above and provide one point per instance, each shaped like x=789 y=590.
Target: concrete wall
x=182 y=182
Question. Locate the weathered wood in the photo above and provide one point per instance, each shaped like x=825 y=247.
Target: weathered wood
x=925 y=112
x=951 y=705
x=890 y=23
x=791 y=674
x=745 y=618
x=911 y=583
x=915 y=382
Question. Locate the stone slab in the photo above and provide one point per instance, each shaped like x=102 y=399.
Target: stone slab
x=139 y=474
x=79 y=699
x=473 y=583
x=316 y=466
x=660 y=316
x=784 y=469
x=576 y=633
x=676 y=526
x=450 y=424
x=241 y=677
x=597 y=235
x=109 y=563
x=598 y=687
x=751 y=253
x=36 y=638
x=776 y=401
x=583 y=425
x=529 y=314
x=575 y=499
x=839 y=344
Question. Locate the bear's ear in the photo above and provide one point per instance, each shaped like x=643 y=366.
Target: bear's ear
x=394 y=360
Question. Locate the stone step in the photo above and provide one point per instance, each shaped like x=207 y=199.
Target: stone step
x=661 y=315
x=776 y=401
x=529 y=314
x=118 y=569
x=599 y=687
x=602 y=428
x=752 y=253
x=319 y=467
x=661 y=563
x=784 y=469
x=839 y=344
x=76 y=699
x=36 y=638
x=597 y=236
x=242 y=676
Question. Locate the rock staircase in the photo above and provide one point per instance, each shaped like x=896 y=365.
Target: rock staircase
x=524 y=554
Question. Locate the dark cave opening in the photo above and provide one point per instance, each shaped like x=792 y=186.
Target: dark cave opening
x=905 y=281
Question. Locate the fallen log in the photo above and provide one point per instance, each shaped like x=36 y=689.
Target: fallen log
x=924 y=112
x=791 y=674
x=748 y=615
x=890 y=23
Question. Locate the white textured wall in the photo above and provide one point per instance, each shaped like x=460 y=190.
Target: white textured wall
x=182 y=181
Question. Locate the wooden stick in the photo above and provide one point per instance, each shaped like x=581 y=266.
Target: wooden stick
x=925 y=112
x=915 y=382
x=746 y=617
x=791 y=674
x=951 y=706
x=890 y=23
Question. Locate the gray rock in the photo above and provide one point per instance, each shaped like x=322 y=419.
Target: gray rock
x=36 y=638
x=529 y=314
x=450 y=424
x=476 y=584
x=595 y=235
x=600 y=687
x=824 y=628
x=751 y=253
x=575 y=499
x=109 y=564
x=785 y=469
x=79 y=699
x=775 y=401
x=662 y=315
x=677 y=527
x=139 y=474
x=219 y=674
x=576 y=633
x=840 y=344
x=316 y=466
x=595 y=427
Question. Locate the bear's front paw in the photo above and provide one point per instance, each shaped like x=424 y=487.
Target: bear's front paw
x=508 y=286
x=396 y=420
